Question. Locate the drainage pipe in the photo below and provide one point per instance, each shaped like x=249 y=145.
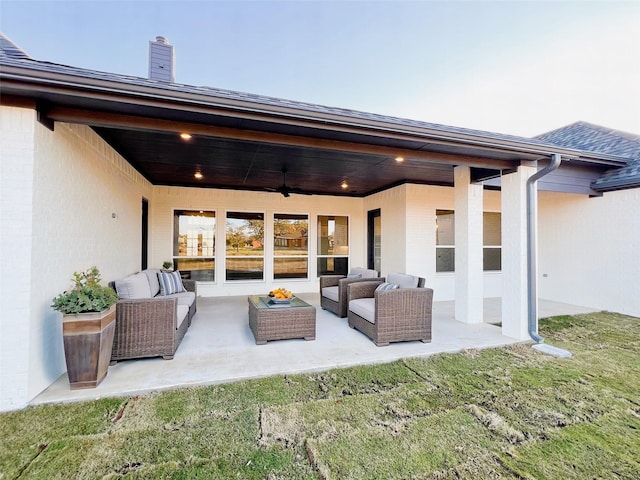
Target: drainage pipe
x=532 y=266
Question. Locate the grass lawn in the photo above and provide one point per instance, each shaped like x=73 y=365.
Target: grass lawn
x=508 y=413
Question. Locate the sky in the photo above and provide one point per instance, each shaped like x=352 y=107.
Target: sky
x=514 y=67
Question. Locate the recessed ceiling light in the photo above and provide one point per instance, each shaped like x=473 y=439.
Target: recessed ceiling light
x=198 y=175
x=185 y=136
x=344 y=185
x=399 y=159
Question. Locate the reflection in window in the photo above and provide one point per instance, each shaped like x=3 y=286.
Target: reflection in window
x=245 y=246
x=290 y=246
x=445 y=241
x=333 y=245
x=492 y=239
x=194 y=244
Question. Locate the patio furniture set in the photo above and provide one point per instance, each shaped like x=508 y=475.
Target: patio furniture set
x=394 y=309
x=155 y=310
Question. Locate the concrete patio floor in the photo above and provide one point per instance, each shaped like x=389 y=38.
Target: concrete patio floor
x=219 y=348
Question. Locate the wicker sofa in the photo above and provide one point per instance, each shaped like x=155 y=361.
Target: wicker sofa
x=393 y=315
x=148 y=323
x=333 y=289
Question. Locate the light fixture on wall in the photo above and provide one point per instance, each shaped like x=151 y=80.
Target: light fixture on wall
x=344 y=185
x=185 y=136
x=198 y=175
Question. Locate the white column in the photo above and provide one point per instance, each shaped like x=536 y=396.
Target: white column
x=514 y=252
x=468 y=238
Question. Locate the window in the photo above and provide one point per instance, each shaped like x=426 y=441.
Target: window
x=492 y=235
x=194 y=244
x=290 y=246
x=333 y=245
x=445 y=241
x=245 y=246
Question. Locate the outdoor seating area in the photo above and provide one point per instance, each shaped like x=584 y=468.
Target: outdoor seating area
x=220 y=348
x=152 y=317
x=333 y=289
x=394 y=311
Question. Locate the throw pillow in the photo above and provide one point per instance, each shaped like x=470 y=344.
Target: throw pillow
x=354 y=275
x=170 y=283
x=134 y=286
x=386 y=286
x=403 y=280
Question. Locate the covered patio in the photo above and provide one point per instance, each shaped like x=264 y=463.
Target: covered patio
x=219 y=348
x=129 y=156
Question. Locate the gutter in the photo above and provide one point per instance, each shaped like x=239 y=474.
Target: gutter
x=532 y=266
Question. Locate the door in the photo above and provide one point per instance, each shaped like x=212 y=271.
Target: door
x=374 y=242
x=145 y=234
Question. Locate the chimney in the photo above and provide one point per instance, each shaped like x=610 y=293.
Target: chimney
x=161 y=60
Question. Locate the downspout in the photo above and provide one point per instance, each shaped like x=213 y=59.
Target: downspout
x=532 y=266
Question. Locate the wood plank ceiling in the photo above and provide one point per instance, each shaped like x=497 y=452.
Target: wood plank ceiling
x=165 y=159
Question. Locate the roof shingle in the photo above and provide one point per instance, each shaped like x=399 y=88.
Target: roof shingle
x=587 y=136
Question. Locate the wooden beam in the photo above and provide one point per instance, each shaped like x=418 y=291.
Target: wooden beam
x=46 y=121
x=20 y=102
x=479 y=175
x=131 y=122
x=43 y=116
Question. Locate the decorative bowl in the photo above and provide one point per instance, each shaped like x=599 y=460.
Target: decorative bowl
x=280 y=300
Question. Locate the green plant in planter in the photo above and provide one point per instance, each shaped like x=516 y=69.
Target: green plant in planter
x=167 y=265
x=87 y=295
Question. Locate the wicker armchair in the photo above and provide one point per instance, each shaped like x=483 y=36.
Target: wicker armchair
x=398 y=315
x=333 y=289
x=148 y=327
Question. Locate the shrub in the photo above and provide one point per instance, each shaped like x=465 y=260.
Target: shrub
x=87 y=295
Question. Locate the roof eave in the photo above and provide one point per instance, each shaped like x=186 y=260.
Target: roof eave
x=616 y=185
x=33 y=80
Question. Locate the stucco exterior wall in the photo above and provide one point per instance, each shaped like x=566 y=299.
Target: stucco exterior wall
x=589 y=250
x=167 y=199
x=66 y=186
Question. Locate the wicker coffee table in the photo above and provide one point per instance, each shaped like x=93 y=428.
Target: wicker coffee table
x=279 y=322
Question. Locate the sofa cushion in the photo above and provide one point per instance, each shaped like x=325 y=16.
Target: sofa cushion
x=154 y=285
x=185 y=298
x=365 y=272
x=403 y=280
x=331 y=293
x=170 y=283
x=354 y=275
x=183 y=311
x=386 y=286
x=133 y=286
x=365 y=308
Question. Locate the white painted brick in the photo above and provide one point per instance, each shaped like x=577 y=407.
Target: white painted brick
x=514 y=253
x=468 y=241
x=167 y=199
x=58 y=192
x=589 y=250
x=17 y=170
